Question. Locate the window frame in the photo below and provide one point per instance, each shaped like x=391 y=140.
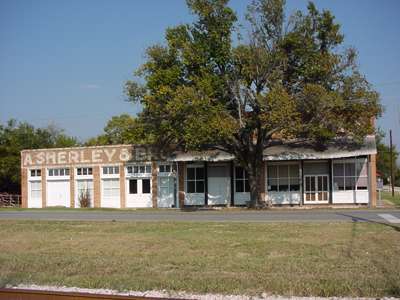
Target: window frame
x=149 y=186
x=351 y=178
x=196 y=181
x=115 y=171
x=140 y=170
x=136 y=186
x=241 y=181
x=82 y=170
x=37 y=173
x=56 y=174
x=291 y=180
x=162 y=168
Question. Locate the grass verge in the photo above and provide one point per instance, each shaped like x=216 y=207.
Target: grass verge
x=388 y=196
x=328 y=259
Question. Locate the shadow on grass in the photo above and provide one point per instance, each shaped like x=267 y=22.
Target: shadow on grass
x=393 y=288
x=360 y=219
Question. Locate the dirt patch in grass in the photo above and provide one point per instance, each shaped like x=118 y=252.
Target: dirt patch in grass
x=327 y=259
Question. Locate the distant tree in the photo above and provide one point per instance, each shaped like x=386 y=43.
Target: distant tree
x=16 y=136
x=290 y=78
x=383 y=158
x=122 y=129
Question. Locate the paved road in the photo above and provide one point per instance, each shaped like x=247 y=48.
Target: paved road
x=317 y=215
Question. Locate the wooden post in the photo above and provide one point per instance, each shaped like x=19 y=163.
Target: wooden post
x=205 y=184
x=391 y=163
x=181 y=184
x=154 y=188
x=232 y=183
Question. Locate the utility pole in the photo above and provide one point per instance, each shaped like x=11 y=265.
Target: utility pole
x=391 y=163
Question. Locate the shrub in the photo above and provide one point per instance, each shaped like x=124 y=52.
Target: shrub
x=84 y=198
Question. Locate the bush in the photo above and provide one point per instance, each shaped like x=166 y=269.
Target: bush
x=84 y=199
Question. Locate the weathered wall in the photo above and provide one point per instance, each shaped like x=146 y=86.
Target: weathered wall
x=372 y=179
x=24 y=188
x=84 y=155
x=122 y=186
x=96 y=186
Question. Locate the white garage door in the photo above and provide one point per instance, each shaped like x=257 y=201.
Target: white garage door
x=165 y=191
x=218 y=185
x=58 y=193
x=35 y=194
x=110 y=193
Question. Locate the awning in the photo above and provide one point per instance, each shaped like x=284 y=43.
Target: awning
x=337 y=149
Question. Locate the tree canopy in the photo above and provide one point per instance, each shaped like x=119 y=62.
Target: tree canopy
x=16 y=136
x=207 y=87
x=122 y=129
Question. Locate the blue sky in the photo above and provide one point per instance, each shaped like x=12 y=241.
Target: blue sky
x=65 y=62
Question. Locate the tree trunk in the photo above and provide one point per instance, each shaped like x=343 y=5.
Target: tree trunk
x=254 y=170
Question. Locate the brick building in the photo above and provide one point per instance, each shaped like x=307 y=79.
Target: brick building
x=124 y=176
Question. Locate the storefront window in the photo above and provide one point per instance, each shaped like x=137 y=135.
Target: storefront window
x=241 y=181
x=350 y=175
x=283 y=178
x=195 y=180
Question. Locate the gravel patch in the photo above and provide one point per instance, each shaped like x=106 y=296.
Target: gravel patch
x=178 y=295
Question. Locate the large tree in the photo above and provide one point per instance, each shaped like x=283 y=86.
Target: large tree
x=291 y=78
x=16 y=136
x=122 y=129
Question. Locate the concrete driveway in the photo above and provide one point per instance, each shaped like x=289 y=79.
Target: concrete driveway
x=315 y=215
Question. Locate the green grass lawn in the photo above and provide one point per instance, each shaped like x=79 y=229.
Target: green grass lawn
x=388 y=196
x=326 y=259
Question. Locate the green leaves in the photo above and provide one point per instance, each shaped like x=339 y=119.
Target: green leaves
x=16 y=136
x=290 y=80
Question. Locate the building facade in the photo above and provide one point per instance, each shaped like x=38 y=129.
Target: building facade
x=128 y=176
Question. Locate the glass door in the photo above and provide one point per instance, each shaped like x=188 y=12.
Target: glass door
x=316 y=189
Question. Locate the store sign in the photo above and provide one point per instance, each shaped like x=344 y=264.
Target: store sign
x=96 y=155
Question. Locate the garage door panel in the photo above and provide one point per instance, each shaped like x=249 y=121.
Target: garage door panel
x=110 y=193
x=35 y=194
x=58 y=193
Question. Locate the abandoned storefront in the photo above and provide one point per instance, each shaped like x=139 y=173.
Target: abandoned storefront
x=126 y=176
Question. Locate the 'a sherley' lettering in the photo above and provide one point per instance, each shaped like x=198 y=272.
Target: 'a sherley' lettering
x=51 y=158
x=62 y=157
x=110 y=153
x=82 y=156
x=73 y=157
x=96 y=156
x=83 y=160
x=27 y=160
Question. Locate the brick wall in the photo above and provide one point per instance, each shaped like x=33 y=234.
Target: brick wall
x=122 y=186
x=72 y=186
x=44 y=185
x=96 y=186
x=372 y=178
x=24 y=188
